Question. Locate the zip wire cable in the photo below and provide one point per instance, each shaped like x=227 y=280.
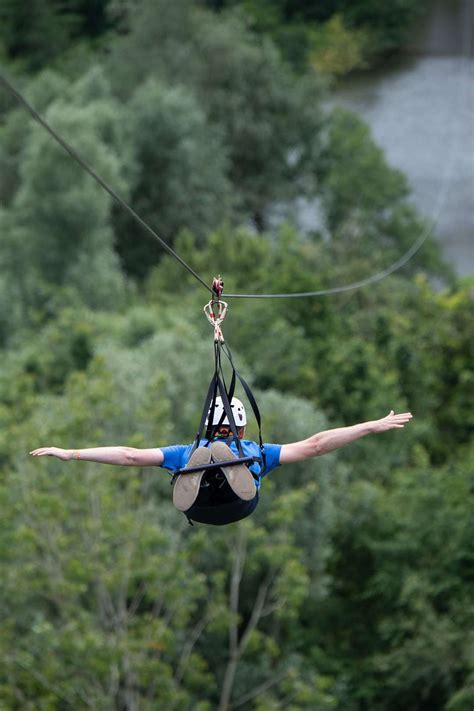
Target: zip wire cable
x=347 y=287
x=21 y=99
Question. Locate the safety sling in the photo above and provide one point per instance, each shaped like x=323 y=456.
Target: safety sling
x=215 y=312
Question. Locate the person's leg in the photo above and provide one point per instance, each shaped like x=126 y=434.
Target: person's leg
x=186 y=488
x=239 y=477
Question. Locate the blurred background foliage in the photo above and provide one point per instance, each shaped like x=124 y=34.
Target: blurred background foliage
x=351 y=585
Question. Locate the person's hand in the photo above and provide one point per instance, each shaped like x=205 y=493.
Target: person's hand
x=63 y=454
x=392 y=421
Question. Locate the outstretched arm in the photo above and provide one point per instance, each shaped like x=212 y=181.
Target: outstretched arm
x=125 y=456
x=327 y=441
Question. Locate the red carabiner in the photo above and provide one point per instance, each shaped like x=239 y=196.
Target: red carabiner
x=218 y=286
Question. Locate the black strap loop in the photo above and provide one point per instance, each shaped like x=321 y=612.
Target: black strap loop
x=217 y=387
x=251 y=399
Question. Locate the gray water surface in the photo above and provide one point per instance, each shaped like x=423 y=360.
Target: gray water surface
x=421 y=112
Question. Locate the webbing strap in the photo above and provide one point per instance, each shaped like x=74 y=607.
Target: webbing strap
x=230 y=415
x=210 y=397
x=229 y=391
x=252 y=401
x=217 y=386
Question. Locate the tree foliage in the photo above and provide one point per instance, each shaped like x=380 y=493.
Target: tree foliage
x=351 y=585
x=180 y=172
x=39 y=33
x=269 y=123
x=314 y=30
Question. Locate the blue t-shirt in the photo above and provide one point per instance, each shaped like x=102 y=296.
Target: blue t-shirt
x=177 y=456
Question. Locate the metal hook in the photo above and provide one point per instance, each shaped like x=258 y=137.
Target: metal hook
x=216 y=310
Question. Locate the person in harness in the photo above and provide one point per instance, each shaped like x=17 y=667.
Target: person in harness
x=221 y=489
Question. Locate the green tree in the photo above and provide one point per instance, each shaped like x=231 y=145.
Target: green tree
x=336 y=50
x=366 y=202
x=401 y=572
x=179 y=173
x=384 y=26
x=57 y=226
x=39 y=33
x=269 y=122
x=103 y=565
x=34 y=34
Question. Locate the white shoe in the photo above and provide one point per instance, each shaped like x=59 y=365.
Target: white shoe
x=238 y=476
x=186 y=487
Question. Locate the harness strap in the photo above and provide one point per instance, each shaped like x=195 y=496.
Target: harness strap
x=252 y=401
x=217 y=387
x=229 y=392
x=208 y=409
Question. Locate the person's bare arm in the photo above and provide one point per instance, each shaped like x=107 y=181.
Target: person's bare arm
x=327 y=441
x=124 y=456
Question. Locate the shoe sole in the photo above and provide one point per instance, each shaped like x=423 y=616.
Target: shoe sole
x=238 y=476
x=186 y=488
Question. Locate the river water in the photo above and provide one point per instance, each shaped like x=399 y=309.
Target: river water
x=420 y=108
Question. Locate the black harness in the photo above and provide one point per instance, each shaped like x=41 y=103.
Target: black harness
x=215 y=312
x=217 y=387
